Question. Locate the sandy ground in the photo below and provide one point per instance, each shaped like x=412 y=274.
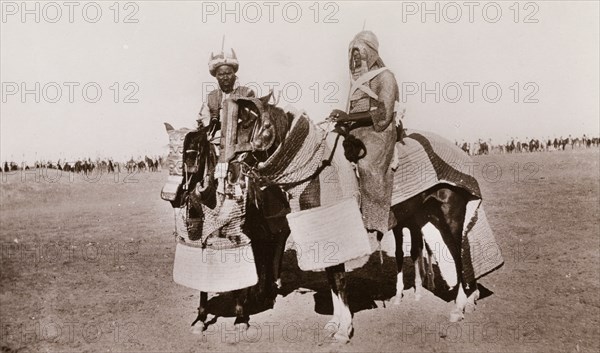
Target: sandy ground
x=87 y=266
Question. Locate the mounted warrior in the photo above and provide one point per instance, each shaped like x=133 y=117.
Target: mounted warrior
x=209 y=198
x=369 y=120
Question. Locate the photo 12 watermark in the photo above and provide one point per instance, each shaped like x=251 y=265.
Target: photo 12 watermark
x=67 y=332
x=127 y=12
x=469 y=92
x=45 y=253
x=468 y=332
x=291 y=332
x=73 y=172
x=275 y=12
x=287 y=92
x=489 y=172
x=69 y=92
x=470 y=12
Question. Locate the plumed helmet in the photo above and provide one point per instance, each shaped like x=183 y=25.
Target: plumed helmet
x=216 y=61
x=367 y=44
x=368 y=38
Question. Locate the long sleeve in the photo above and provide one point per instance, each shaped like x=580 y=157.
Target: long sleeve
x=204 y=115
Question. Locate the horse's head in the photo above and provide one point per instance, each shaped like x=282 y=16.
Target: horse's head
x=262 y=125
x=195 y=151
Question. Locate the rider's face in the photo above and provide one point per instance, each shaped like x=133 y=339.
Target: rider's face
x=225 y=77
x=356 y=58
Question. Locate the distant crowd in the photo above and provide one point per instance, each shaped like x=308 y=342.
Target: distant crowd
x=528 y=145
x=156 y=163
x=87 y=165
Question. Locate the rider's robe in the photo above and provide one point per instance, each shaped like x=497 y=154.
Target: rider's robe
x=214 y=102
x=375 y=172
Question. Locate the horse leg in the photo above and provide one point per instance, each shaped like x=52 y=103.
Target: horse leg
x=466 y=299
x=342 y=317
x=398 y=237
x=458 y=312
x=447 y=214
x=454 y=246
x=472 y=300
x=241 y=317
x=453 y=215
x=430 y=273
x=333 y=323
x=416 y=254
x=278 y=256
x=198 y=325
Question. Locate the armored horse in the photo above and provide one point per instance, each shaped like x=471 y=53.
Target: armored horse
x=450 y=201
x=193 y=190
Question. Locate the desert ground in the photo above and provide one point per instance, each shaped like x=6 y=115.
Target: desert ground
x=86 y=266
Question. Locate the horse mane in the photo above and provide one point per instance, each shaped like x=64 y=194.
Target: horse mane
x=281 y=120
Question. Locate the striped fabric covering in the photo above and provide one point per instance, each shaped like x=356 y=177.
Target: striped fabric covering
x=297 y=158
x=426 y=160
x=481 y=253
x=305 y=147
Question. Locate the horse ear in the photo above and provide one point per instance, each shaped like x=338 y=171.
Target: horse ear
x=265 y=100
x=169 y=127
x=290 y=118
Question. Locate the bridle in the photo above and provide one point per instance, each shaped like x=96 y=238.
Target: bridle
x=189 y=170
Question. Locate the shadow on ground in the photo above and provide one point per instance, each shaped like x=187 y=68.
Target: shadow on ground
x=374 y=282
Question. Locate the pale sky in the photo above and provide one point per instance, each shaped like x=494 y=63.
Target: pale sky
x=548 y=62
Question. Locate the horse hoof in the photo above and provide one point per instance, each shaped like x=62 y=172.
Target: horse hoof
x=197 y=328
x=473 y=297
x=418 y=293
x=470 y=307
x=343 y=337
x=456 y=317
x=472 y=302
x=397 y=299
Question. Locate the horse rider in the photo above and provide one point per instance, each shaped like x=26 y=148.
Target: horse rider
x=371 y=116
x=224 y=68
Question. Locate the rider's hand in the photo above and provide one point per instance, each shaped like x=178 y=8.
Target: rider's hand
x=342 y=128
x=338 y=115
x=215 y=122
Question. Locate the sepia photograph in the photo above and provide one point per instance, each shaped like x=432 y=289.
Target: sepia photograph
x=299 y=176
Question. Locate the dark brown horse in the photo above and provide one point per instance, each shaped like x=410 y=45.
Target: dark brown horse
x=444 y=206
x=199 y=159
